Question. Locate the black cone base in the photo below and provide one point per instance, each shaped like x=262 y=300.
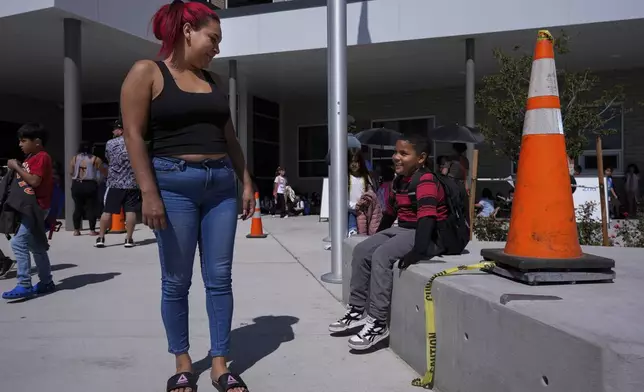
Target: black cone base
x=534 y=271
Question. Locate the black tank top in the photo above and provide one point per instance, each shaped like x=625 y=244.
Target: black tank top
x=187 y=123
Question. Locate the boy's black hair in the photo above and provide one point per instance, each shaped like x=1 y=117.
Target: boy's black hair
x=420 y=143
x=487 y=193
x=33 y=131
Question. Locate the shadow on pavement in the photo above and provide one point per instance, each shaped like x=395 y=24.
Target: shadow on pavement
x=56 y=267
x=251 y=343
x=78 y=281
x=73 y=283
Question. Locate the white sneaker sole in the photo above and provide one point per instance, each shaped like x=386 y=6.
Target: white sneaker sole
x=360 y=347
x=351 y=326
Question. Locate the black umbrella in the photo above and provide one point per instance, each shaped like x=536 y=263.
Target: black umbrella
x=379 y=137
x=456 y=133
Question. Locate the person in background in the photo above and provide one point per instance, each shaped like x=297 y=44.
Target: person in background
x=460 y=165
x=486 y=204
x=384 y=190
x=122 y=191
x=37 y=172
x=577 y=170
x=613 y=200
x=84 y=169
x=188 y=178
x=279 y=191
x=632 y=189
x=359 y=183
x=57 y=197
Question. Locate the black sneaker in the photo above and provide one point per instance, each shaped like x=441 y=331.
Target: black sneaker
x=373 y=332
x=5 y=266
x=129 y=243
x=40 y=288
x=100 y=242
x=353 y=318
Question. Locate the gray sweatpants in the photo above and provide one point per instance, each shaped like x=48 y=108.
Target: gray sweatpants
x=372 y=266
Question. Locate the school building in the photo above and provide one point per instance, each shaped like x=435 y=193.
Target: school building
x=64 y=62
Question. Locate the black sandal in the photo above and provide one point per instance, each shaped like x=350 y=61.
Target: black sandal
x=228 y=381
x=182 y=380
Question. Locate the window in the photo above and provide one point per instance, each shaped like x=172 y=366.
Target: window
x=381 y=156
x=612 y=147
x=313 y=146
x=266 y=143
x=9 y=148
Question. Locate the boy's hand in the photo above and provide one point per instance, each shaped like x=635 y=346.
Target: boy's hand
x=409 y=259
x=13 y=164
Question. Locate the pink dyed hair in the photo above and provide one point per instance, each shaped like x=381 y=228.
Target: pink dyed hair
x=169 y=20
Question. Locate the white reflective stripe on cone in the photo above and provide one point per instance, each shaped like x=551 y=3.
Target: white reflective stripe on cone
x=543 y=122
x=543 y=79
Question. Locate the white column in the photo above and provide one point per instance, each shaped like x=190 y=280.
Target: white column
x=72 y=105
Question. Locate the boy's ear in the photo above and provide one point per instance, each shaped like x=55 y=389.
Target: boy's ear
x=423 y=158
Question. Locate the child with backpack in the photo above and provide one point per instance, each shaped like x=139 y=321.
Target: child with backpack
x=425 y=205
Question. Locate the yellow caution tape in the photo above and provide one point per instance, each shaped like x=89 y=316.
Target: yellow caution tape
x=427 y=381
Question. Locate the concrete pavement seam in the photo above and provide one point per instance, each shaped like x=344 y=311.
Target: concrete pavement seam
x=297 y=259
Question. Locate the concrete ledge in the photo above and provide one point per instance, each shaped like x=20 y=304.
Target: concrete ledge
x=589 y=341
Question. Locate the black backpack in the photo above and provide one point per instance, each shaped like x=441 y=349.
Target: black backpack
x=454 y=232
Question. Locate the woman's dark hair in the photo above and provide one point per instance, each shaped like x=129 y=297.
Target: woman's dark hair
x=487 y=193
x=33 y=131
x=355 y=155
x=169 y=20
x=636 y=170
x=85 y=148
x=278 y=170
x=459 y=147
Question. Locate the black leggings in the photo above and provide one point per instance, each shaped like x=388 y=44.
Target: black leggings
x=85 y=195
x=280 y=204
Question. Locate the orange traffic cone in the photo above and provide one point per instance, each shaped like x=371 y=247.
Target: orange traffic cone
x=118 y=223
x=543 y=245
x=256 y=228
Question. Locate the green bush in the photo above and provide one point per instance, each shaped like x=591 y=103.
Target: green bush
x=630 y=233
x=589 y=230
x=491 y=229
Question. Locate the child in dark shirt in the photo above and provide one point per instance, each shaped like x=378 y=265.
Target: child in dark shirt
x=412 y=240
x=36 y=171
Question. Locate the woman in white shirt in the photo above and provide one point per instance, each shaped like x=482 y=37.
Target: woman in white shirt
x=359 y=183
x=279 y=189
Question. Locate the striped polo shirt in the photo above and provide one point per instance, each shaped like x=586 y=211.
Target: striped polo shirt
x=430 y=201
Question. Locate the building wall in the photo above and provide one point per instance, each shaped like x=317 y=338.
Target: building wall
x=448 y=106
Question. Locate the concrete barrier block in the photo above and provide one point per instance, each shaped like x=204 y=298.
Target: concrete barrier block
x=347 y=256
x=589 y=341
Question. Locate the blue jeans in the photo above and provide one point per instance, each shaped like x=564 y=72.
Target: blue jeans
x=22 y=243
x=353 y=221
x=201 y=205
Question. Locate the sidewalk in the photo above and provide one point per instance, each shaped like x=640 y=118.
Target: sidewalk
x=102 y=330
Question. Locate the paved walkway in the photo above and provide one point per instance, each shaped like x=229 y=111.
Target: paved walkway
x=102 y=330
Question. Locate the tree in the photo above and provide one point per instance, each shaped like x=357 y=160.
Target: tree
x=584 y=109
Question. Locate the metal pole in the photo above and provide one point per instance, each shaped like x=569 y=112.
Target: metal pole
x=329 y=104
x=338 y=177
x=232 y=92
x=232 y=103
x=469 y=97
x=72 y=105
